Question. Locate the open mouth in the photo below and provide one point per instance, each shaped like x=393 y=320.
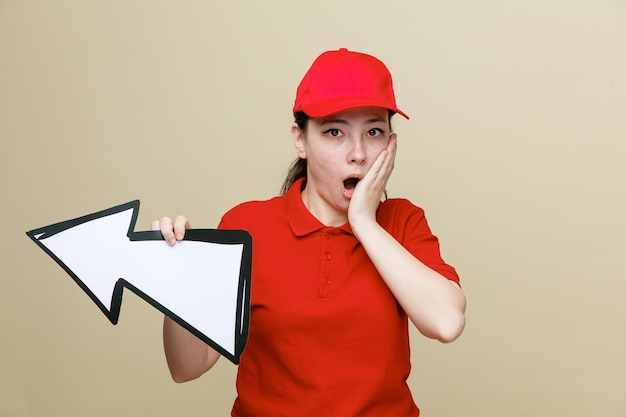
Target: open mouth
x=350 y=183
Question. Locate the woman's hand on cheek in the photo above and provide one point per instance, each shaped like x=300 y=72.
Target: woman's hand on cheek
x=370 y=189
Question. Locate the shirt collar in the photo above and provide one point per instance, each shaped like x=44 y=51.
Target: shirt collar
x=301 y=221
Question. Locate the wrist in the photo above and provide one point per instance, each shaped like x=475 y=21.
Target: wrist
x=363 y=226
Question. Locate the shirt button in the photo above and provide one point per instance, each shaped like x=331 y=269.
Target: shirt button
x=327 y=281
x=328 y=235
x=328 y=256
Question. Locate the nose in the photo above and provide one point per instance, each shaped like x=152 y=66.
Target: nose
x=357 y=154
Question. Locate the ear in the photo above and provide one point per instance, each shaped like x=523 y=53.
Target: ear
x=299 y=140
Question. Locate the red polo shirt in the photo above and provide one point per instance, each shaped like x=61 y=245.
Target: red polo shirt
x=327 y=337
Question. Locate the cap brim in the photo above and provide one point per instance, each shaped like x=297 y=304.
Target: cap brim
x=335 y=105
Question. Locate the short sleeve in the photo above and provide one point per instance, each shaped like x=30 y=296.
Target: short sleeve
x=408 y=224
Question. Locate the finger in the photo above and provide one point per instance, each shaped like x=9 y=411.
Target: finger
x=384 y=165
x=377 y=166
x=392 y=147
x=390 y=159
x=167 y=230
x=180 y=225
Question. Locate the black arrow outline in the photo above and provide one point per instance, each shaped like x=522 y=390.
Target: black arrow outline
x=239 y=237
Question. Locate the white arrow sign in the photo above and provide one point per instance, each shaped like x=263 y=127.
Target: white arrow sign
x=202 y=282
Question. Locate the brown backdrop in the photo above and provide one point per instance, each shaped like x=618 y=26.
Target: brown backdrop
x=515 y=149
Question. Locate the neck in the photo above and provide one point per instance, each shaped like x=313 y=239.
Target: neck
x=322 y=211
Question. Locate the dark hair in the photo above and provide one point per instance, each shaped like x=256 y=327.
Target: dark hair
x=298 y=167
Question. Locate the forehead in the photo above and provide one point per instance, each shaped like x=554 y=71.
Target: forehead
x=357 y=115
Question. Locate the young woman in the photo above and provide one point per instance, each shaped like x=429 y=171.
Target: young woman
x=337 y=274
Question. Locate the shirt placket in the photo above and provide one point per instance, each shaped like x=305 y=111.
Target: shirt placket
x=325 y=280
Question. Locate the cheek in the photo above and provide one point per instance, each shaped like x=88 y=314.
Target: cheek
x=319 y=155
x=325 y=167
x=375 y=148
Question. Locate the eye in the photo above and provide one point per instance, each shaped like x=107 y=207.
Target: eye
x=374 y=132
x=333 y=132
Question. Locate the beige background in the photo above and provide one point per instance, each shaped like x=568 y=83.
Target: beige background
x=515 y=149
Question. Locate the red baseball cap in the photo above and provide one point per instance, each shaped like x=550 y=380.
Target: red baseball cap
x=341 y=80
